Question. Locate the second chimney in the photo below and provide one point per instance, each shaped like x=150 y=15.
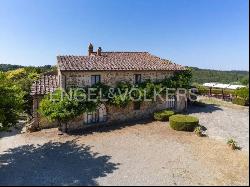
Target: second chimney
x=90 y=50
x=99 y=51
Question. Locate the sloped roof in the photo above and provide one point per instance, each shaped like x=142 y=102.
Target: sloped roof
x=44 y=85
x=116 y=61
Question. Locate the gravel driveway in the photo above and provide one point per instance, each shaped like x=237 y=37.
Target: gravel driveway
x=223 y=123
x=147 y=153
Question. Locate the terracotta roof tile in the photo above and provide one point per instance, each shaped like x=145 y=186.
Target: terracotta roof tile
x=44 y=85
x=116 y=61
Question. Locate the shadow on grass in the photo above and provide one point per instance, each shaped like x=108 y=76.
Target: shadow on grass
x=53 y=164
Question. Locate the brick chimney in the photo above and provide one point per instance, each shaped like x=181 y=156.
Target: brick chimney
x=99 y=51
x=91 y=49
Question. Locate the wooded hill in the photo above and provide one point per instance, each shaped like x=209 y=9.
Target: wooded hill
x=206 y=75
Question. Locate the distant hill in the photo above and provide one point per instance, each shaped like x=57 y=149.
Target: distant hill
x=8 y=67
x=208 y=75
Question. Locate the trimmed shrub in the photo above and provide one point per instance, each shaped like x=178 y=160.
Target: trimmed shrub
x=163 y=115
x=183 y=122
x=240 y=101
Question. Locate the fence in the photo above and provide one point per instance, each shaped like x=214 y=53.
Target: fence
x=170 y=103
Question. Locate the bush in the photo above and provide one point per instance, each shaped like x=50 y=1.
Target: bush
x=198 y=131
x=183 y=122
x=243 y=93
x=163 y=115
x=233 y=144
x=240 y=101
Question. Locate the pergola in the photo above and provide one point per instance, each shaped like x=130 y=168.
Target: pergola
x=222 y=87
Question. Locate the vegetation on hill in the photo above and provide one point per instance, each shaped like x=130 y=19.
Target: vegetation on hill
x=201 y=76
x=8 y=67
x=40 y=69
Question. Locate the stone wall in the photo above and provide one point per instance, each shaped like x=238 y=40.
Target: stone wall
x=118 y=115
x=81 y=79
x=40 y=122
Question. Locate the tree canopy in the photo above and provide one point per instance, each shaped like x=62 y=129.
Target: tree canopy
x=11 y=101
x=206 y=75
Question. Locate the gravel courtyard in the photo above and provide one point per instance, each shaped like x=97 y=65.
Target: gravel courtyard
x=146 y=153
x=223 y=123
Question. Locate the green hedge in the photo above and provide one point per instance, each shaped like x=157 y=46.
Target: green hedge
x=163 y=115
x=183 y=122
x=243 y=93
x=240 y=101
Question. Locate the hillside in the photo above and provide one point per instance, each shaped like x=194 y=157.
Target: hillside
x=207 y=75
x=7 y=67
x=40 y=69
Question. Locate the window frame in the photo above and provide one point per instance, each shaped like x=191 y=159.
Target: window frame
x=137 y=78
x=95 y=79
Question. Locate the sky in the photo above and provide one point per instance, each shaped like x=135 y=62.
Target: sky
x=211 y=34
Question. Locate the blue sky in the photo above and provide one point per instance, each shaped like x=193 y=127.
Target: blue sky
x=203 y=33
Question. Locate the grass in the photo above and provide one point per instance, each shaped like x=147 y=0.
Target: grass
x=218 y=102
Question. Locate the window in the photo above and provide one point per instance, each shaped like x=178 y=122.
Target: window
x=137 y=105
x=95 y=79
x=137 y=78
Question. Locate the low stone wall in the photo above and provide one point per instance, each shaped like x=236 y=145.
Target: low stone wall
x=118 y=115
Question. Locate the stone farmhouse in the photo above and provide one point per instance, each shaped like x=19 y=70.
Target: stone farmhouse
x=108 y=68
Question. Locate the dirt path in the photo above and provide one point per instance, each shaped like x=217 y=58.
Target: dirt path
x=143 y=154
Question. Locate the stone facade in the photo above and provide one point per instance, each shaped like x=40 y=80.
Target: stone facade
x=83 y=78
x=114 y=114
x=117 y=115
